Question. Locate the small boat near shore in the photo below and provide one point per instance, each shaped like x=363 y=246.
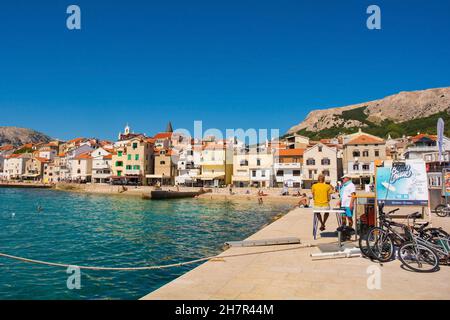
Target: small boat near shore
x=168 y=194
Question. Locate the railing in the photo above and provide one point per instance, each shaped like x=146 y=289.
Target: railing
x=289 y=165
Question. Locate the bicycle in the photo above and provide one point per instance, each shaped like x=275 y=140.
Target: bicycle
x=442 y=210
x=424 y=253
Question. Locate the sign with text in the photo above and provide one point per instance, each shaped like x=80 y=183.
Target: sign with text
x=403 y=183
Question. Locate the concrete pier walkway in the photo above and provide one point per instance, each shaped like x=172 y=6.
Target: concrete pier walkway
x=292 y=274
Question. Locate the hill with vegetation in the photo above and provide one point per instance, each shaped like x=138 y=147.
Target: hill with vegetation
x=404 y=113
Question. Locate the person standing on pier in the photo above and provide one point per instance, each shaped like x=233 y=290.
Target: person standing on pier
x=346 y=193
x=321 y=192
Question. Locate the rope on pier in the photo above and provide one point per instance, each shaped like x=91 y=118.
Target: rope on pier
x=173 y=265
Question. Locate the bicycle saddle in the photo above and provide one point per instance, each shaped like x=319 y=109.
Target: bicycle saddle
x=415 y=215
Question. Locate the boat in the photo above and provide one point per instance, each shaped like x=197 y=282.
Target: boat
x=164 y=194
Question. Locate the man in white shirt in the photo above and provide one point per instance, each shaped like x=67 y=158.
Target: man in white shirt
x=347 y=201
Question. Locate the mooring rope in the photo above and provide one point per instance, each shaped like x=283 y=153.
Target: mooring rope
x=173 y=265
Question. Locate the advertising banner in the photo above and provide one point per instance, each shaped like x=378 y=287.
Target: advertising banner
x=403 y=184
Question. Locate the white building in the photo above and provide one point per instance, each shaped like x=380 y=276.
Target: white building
x=188 y=165
x=15 y=165
x=81 y=168
x=288 y=167
x=320 y=159
x=260 y=166
x=101 y=165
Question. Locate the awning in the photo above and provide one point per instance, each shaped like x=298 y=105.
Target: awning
x=240 y=178
x=31 y=175
x=211 y=176
x=155 y=176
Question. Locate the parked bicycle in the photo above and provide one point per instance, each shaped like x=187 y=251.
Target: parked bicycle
x=442 y=210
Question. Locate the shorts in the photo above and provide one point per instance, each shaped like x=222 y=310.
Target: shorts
x=348 y=212
x=321 y=208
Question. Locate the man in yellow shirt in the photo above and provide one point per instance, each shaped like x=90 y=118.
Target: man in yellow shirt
x=321 y=192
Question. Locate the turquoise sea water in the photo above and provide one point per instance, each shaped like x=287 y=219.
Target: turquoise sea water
x=100 y=230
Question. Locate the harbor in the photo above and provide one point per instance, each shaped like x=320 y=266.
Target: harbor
x=288 y=271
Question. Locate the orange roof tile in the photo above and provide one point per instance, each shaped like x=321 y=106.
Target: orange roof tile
x=42 y=159
x=163 y=135
x=76 y=140
x=107 y=157
x=290 y=152
x=84 y=156
x=423 y=135
x=7 y=147
x=366 y=139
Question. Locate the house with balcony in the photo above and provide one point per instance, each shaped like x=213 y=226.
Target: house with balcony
x=241 y=170
x=296 y=141
x=165 y=167
x=132 y=161
x=188 y=165
x=288 y=167
x=34 y=168
x=320 y=159
x=15 y=165
x=260 y=165
x=101 y=165
x=216 y=161
x=360 y=153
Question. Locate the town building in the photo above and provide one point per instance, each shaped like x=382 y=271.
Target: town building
x=188 y=165
x=132 y=161
x=165 y=167
x=296 y=141
x=360 y=153
x=288 y=167
x=81 y=168
x=320 y=159
x=101 y=165
x=216 y=162
x=14 y=165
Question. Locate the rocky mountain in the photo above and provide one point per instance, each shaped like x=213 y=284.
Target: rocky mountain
x=394 y=110
x=19 y=136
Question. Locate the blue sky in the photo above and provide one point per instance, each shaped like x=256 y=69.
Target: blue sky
x=232 y=64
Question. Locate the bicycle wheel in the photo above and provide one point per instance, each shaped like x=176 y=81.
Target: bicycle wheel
x=440 y=239
x=362 y=241
x=380 y=244
x=418 y=258
x=441 y=210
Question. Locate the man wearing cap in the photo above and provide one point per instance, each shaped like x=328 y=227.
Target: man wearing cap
x=346 y=194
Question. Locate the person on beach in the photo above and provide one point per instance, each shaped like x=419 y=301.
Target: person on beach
x=346 y=202
x=321 y=192
x=303 y=201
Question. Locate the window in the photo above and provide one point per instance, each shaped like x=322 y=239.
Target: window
x=356 y=153
x=296 y=173
x=310 y=162
x=258 y=162
x=365 y=153
x=366 y=167
x=129 y=167
x=377 y=153
x=253 y=173
x=320 y=148
x=137 y=167
x=280 y=173
x=244 y=163
x=129 y=157
x=135 y=145
x=326 y=162
x=119 y=153
x=119 y=164
x=356 y=166
x=326 y=173
x=162 y=162
x=263 y=173
x=78 y=171
x=119 y=173
x=136 y=157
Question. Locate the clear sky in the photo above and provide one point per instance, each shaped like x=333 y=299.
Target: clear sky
x=232 y=64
